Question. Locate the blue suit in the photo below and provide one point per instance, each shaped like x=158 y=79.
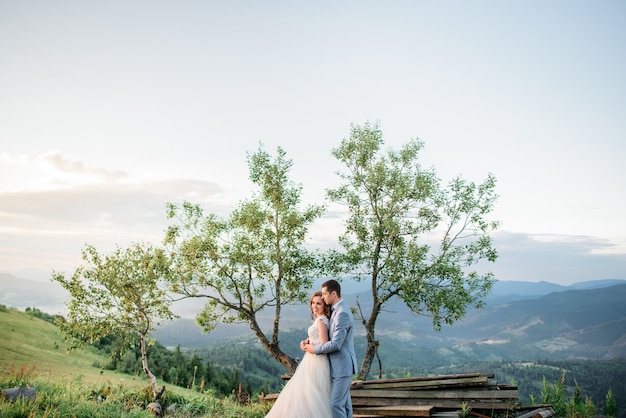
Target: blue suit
x=340 y=351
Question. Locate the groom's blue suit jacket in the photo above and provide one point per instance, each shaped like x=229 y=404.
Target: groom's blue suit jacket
x=340 y=346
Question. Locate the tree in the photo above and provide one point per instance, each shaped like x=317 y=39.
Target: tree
x=117 y=295
x=395 y=210
x=253 y=260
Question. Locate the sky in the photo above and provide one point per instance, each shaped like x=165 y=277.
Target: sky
x=109 y=110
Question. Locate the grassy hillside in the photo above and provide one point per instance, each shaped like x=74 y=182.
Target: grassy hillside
x=30 y=342
x=33 y=354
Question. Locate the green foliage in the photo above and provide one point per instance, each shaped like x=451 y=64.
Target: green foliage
x=257 y=370
x=118 y=294
x=186 y=370
x=610 y=404
x=251 y=261
x=555 y=395
x=465 y=410
x=564 y=406
x=219 y=368
x=36 y=313
x=394 y=205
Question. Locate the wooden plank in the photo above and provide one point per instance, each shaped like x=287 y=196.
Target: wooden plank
x=427 y=378
x=540 y=412
x=437 y=403
x=445 y=414
x=396 y=411
x=478 y=414
x=436 y=394
x=476 y=405
x=415 y=384
x=271 y=397
x=535 y=406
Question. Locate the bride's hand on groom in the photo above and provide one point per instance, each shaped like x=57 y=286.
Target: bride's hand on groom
x=303 y=344
x=308 y=347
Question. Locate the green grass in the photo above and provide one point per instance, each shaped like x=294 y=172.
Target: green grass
x=30 y=342
x=67 y=397
x=33 y=354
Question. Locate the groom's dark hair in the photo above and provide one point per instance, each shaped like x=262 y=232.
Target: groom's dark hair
x=331 y=286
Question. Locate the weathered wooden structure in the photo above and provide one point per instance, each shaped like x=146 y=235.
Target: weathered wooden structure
x=427 y=396
x=475 y=394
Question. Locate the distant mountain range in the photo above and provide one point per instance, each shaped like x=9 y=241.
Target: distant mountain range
x=588 y=323
x=504 y=291
x=522 y=319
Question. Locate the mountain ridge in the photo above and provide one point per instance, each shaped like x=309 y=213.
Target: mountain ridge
x=575 y=323
x=585 y=319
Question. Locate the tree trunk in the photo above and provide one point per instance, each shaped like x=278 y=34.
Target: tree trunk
x=289 y=362
x=144 y=365
x=274 y=349
x=371 y=349
x=370 y=352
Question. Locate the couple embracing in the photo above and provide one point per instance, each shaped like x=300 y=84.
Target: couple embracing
x=320 y=386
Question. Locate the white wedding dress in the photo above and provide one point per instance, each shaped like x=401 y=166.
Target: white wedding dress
x=307 y=393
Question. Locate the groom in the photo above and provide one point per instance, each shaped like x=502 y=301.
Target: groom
x=340 y=350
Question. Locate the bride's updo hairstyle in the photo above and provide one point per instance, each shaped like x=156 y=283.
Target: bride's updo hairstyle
x=327 y=308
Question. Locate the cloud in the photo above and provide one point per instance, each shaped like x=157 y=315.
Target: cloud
x=51 y=169
x=46 y=228
x=105 y=204
x=60 y=163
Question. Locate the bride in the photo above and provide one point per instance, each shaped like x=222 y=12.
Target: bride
x=307 y=393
